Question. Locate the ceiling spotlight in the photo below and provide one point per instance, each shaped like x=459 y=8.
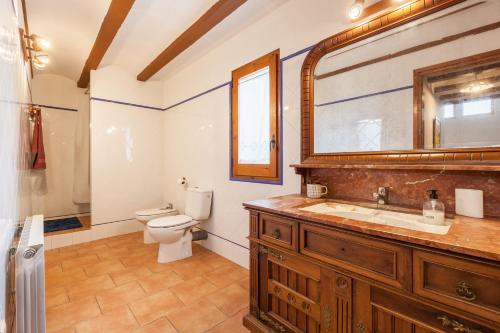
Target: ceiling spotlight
x=356 y=9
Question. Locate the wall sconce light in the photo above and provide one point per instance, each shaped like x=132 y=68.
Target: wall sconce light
x=356 y=9
x=38 y=43
x=31 y=46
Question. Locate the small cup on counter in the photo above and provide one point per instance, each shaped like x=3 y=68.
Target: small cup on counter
x=315 y=191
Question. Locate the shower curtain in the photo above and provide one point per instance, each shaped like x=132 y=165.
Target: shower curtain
x=81 y=178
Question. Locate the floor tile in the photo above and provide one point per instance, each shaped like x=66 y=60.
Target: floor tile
x=191 y=268
x=116 y=284
x=66 y=330
x=159 y=281
x=130 y=274
x=88 y=248
x=90 y=287
x=54 y=299
x=232 y=325
x=155 y=306
x=117 y=321
x=80 y=261
x=113 y=253
x=191 y=290
x=137 y=259
x=103 y=267
x=122 y=295
x=66 y=315
x=196 y=318
x=226 y=275
x=57 y=279
x=245 y=282
x=161 y=325
x=231 y=299
x=215 y=261
x=59 y=255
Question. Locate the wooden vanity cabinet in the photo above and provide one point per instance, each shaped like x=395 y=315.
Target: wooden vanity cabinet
x=320 y=279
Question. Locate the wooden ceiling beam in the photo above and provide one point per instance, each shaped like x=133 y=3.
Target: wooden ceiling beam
x=216 y=14
x=117 y=12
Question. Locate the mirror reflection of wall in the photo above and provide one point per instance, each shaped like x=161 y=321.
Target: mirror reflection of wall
x=462 y=108
x=364 y=93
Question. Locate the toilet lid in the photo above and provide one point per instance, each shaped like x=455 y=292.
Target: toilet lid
x=155 y=211
x=169 y=221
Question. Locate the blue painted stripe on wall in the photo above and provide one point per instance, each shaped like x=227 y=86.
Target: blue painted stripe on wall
x=197 y=95
x=55 y=107
x=364 y=96
x=125 y=103
x=293 y=55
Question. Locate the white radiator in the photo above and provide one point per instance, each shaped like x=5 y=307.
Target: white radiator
x=30 y=278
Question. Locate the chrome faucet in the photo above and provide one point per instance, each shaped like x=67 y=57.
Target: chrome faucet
x=381 y=195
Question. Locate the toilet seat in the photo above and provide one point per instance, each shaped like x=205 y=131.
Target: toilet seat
x=170 y=221
x=154 y=212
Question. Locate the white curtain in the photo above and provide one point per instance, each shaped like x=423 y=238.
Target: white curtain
x=81 y=179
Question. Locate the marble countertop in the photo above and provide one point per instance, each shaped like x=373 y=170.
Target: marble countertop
x=470 y=236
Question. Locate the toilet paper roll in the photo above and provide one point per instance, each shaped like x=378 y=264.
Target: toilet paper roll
x=469 y=202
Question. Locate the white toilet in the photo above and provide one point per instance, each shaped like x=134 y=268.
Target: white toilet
x=174 y=232
x=144 y=216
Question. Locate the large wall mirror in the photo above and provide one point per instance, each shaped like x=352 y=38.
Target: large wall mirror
x=430 y=81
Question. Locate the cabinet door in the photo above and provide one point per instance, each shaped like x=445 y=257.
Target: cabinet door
x=336 y=302
x=289 y=295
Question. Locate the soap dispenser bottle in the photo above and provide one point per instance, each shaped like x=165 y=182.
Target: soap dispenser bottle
x=433 y=210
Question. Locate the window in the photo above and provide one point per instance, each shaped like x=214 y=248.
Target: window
x=448 y=111
x=478 y=107
x=255 y=119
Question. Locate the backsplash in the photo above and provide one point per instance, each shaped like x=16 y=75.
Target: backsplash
x=408 y=187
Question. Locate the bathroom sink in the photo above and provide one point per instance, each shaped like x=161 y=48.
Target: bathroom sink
x=395 y=219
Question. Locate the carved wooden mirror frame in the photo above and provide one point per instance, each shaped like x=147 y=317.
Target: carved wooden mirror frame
x=459 y=158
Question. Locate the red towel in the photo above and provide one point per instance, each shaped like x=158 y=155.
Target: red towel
x=37 y=144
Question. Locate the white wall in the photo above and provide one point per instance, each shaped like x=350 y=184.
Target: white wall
x=196 y=133
x=14 y=139
x=53 y=187
x=126 y=150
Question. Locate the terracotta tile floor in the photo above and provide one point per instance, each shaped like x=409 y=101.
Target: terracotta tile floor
x=116 y=285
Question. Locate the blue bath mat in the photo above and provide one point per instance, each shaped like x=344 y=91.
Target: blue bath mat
x=61 y=224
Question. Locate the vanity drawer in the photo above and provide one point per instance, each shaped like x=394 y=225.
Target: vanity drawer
x=424 y=318
x=468 y=285
x=377 y=259
x=278 y=230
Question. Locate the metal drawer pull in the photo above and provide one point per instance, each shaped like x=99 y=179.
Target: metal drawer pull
x=277 y=290
x=290 y=298
x=277 y=233
x=264 y=250
x=456 y=325
x=464 y=290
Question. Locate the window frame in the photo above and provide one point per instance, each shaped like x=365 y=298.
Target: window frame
x=258 y=172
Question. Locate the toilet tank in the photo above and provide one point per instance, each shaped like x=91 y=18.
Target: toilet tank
x=198 y=203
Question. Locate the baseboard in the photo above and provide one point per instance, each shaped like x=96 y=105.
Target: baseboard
x=95 y=232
